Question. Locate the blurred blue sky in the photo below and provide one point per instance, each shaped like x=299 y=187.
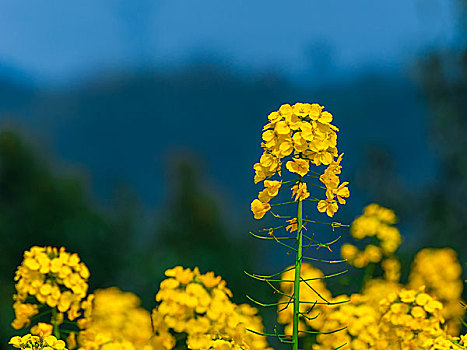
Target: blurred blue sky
x=59 y=42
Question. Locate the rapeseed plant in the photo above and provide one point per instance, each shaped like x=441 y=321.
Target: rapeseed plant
x=195 y=310
x=33 y=342
x=49 y=282
x=440 y=272
x=116 y=317
x=296 y=136
x=386 y=314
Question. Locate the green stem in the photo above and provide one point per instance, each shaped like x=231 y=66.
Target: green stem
x=39 y=315
x=56 y=331
x=368 y=274
x=298 y=264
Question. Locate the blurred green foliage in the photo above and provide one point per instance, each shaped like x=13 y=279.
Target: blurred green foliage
x=435 y=212
x=443 y=79
x=190 y=230
x=193 y=231
x=40 y=208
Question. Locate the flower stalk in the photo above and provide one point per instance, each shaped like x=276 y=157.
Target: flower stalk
x=298 y=266
x=56 y=331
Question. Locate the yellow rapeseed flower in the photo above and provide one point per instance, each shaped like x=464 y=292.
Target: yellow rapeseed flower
x=202 y=310
x=259 y=208
x=32 y=342
x=329 y=206
x=117 y=317
x=300 y=191
x=440 y=272
x=52 y=277
x=42 y=329
x=298 y=166
x=340 y=192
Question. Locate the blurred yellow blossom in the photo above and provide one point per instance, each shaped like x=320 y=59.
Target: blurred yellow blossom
x=441 y=274
x=375 y=224
x=199 y=306
x=117 y=316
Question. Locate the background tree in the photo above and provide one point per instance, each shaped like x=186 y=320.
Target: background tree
x=40 y=208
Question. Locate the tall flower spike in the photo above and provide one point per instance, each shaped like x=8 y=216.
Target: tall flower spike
x=298 y=136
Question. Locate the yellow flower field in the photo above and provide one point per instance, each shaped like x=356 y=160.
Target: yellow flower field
x=193 y=309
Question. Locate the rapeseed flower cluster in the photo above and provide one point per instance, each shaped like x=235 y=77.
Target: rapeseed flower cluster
x=117 y=320
x=424 y=314
x=49 y=277
x=196 y=309
x=299 y=135
x=33 y=342
x=193 y=309
x=441 y=274
x=376 y=289
x=376 y=223
x=410 y=319
x=384 y=317
x=352 y=320
x=358 y=315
